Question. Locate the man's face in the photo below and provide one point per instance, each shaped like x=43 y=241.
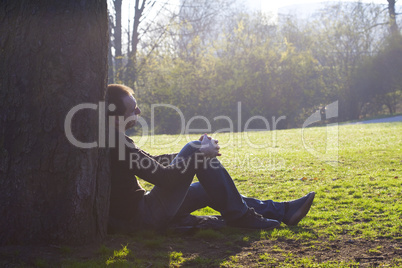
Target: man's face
x=132 y=111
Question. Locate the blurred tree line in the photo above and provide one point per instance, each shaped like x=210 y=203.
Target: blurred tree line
x=207 y=56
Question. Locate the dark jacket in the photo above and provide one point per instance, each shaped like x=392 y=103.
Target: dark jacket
x=126 y=192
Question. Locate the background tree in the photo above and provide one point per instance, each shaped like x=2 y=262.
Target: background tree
x=201 y=19
x=125 y=62
x=379 y=79
x=392 y=17
x=131 y=67
x=345 y=37
x=53 y=57
x=110 y=57
x=117 y=37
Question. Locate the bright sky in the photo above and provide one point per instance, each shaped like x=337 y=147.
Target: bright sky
x=270 y=6
x=291 y=2
x=274 y=5
x=267 y=5
x=264 y=5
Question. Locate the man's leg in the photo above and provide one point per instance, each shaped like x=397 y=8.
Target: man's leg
x=217 y=190
x=197 y=198
x=162 y=205
x=222 y=195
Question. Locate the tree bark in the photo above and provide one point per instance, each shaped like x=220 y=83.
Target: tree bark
x=110 y=59
x=131 y=67
x=53 y=57
x=392 y=17
x=117 y=36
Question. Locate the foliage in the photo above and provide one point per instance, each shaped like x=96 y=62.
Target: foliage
x=286 y=68
x=379 y=79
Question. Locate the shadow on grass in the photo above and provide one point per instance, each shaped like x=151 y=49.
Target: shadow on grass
x=206 y=247
x=196 y=248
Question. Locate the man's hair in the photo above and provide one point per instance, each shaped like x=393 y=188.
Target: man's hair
x=115 y=94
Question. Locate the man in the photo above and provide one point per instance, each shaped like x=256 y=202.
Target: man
x=174 y=196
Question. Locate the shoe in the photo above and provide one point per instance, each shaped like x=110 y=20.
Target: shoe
x=253 y=220
x=297 y=209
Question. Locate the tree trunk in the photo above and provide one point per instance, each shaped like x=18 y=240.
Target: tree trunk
x=110 y=60
x=392 y=17
x=117 y=36
x=53 y=57
x=131 y=67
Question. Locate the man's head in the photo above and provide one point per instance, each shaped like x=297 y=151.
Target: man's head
x=126 y=105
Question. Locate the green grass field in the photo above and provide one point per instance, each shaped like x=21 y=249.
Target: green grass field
x=355 y=220
x=358 y=188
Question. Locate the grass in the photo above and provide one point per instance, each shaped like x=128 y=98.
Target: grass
x=357 y=188
x=357 y=203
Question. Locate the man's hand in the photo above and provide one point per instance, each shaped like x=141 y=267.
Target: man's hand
x=202 y=137
x=209 y=146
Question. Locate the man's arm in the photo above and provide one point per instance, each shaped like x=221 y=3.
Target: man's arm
x=142 y=164
x=165 y=159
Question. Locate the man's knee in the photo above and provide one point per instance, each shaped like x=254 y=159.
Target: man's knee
x=194 y=144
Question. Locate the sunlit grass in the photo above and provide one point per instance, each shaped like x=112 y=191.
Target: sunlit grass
x=119 y=256
x=358 y=195
x=356 y=191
